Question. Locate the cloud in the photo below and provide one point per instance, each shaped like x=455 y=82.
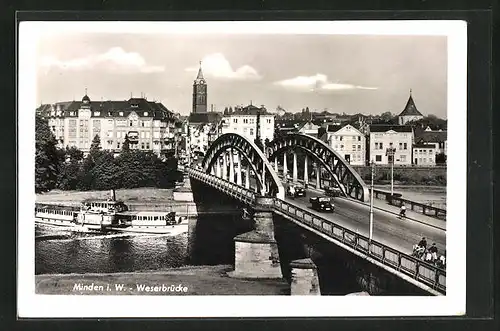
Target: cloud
x=115 y=59
x=216 y=65
x=318 y=82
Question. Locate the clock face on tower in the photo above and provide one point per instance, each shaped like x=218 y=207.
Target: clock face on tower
x=202 y=81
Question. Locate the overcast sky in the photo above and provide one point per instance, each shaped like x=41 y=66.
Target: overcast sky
x=367 y=74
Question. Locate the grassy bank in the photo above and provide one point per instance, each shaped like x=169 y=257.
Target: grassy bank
x=428 y=176
x=194 y=280
x=145 y=195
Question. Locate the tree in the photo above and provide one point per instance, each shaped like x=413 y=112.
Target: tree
x=126 y=144
x=47 y=157
x=440 y=158
x=259 y=144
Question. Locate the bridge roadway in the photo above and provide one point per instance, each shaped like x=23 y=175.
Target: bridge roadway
x=387 y=227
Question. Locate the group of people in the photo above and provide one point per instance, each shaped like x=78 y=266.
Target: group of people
x=430 y=254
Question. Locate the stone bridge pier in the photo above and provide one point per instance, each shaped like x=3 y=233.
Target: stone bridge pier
x=256 y=252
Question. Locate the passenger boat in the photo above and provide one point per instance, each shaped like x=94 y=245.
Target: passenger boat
x=61 y=216
x=100 y=214
x=150 y=222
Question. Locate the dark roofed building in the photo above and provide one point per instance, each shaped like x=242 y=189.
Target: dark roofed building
x=148 y=124
x=410 y=112
x=204 y=118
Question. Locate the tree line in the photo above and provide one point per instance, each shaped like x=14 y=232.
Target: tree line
x=69 y=169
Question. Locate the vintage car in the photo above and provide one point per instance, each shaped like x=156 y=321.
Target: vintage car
x=299 y=191
x=333 y=191
x=322 y=204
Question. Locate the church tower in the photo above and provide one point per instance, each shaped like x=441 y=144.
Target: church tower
x=199 y=93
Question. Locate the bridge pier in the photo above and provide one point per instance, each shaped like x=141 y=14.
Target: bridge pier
x=305 y=279
x=256 y=252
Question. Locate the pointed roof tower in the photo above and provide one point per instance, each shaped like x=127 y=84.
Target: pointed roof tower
x=410 y=108
x=199 y=78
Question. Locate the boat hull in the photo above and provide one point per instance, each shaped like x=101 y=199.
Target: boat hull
x=162 y=229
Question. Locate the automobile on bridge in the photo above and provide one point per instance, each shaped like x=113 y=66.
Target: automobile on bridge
x=298 y=191
x=332 y=191
x=322 y=204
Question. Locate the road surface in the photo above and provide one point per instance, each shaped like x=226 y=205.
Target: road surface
x=387 y=227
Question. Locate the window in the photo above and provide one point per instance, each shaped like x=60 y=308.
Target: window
x=354 y=147
x=359 y=147
x=156 y=134
x=251 y=131
x=97 y=113
x=359 y=138
x=235 y=120
x=118 y=134
x=341 y=147
x=146 y=113
x=130 y=123
x=340 y=138
x=268 y=121
x=245 y=121
x=400 y=146
x=402 y=158
x=147 y=134
x=142 y=134
x=142 y=123
x=405 y=146
x=147 y=124
x=118 y=144
x=252 y=121
x=381 y=145
x=142 y=145
x=120 y=113
x=378 y=158
x=147 y=145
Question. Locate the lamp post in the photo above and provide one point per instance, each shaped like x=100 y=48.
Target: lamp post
x=371 y=201
x=390 y=156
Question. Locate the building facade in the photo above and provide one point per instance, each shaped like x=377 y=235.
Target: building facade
x=309 y=128
x=399 y=137
x=438 y=138
x=250 y=122
x=424 y=155
x=148 y=125
x=409 y=113
x=347 y=141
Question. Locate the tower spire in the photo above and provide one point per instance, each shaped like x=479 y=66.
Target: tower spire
x=200 y=73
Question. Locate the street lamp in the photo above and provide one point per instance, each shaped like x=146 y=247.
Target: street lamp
x=371 y=201
x=390 y=156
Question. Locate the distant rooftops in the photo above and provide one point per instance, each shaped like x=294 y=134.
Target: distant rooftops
x=389 y=127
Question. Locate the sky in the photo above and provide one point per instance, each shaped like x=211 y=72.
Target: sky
x=368 y=74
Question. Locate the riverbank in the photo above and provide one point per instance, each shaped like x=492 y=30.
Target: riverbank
x=429 y=195
x=190 y=280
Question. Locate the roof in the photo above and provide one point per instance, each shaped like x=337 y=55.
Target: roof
x=389 y=127
x=141 y=106
x=333 y=127
x=211 y=117
x=424 y=146
x=432 y=136
x=410 y=108
x=249 y=110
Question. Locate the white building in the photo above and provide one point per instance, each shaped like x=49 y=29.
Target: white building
x=409 y=113
x=308 y=128
x=438 y=138
x=243 y=121
x=424 y=154
x=347 y=141
x=385 y=136
x=148 y=125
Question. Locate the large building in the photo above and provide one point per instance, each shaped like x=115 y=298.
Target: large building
x=148 y=125
x=410 y=112
x=347 y=141
x=438 y=138
x=250 y=122
x=399 y=137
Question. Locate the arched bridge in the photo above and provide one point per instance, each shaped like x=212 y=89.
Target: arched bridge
x=348 y=180
x=236 y=166
x=232 y=157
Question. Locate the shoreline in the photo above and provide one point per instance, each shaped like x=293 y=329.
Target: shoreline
x=196 y=280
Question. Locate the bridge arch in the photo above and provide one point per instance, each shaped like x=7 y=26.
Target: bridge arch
x=266 y=178
x=349 y=181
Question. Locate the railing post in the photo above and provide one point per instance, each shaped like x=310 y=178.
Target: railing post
x=306 y=173
x=238 y=175
x=231 y=166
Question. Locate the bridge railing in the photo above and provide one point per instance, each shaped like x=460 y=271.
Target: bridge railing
x=417 y=269
x=231 y=189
